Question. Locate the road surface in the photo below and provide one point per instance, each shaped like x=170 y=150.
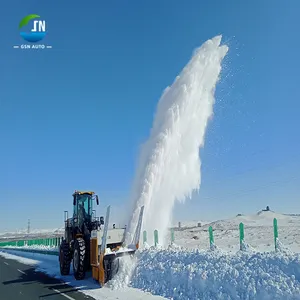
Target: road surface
x=19 y=281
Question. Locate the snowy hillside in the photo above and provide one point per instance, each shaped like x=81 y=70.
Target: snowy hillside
x=258 y=232
x=34 y=233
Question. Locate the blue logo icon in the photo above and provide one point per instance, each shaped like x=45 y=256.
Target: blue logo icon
x=36 y=33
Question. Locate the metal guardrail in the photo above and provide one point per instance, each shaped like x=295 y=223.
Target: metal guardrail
x=19 y=244
x=33 y=242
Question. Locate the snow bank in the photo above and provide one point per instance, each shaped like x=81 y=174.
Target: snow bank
x=33 y=247
x=20 y=259
x=182 y=274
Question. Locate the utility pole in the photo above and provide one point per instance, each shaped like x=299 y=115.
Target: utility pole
x=28 y=228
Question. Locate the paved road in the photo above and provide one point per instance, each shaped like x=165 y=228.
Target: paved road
x=22 y=282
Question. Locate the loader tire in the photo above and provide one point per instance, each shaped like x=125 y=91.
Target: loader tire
x=79 y=259
x=64 y=258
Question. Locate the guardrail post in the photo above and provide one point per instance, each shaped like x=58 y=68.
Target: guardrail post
x=211 y=237
x=242 y=235
x=275 y=225
x=172 y=236
x=144 y=237
x=155 y=237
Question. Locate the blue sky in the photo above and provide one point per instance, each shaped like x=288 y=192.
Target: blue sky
x=73 y=117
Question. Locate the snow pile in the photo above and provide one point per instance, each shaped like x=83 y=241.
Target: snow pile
x=126 y=268
x=282 y=248
x=33 y=247
x=169 y=166
x=23 y=260
x=247 y=247
x=182 y=274
x=49 y=265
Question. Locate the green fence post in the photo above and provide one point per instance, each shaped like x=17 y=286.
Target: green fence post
x=275 y=226
x=242 y=235
x=144 y=237
x=172 y=236
x=211 y=237
x=155 y=237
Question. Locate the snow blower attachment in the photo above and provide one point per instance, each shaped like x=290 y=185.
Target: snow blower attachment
x=108 y=246
x=89 y=245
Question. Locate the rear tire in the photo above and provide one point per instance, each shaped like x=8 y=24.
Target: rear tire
x=64 y=258
x=79 y=259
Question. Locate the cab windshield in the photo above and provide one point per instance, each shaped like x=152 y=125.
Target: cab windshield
x=83 y=203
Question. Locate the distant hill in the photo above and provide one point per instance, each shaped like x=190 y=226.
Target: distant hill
x=261 y=218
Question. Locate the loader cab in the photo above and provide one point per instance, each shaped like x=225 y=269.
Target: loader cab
x=83 y=206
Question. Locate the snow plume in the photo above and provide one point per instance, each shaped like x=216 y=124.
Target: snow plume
x=169 y=166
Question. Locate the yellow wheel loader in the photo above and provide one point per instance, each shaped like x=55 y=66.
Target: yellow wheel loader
x=91 y=244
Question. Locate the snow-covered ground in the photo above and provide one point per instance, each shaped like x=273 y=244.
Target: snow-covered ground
x=23 y=232
x=190 y=274
x=194 y=272
x=49 y=265
x=258 y=232
x=34 y=233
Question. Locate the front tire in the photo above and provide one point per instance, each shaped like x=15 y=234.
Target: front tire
x=64 y=258
x=79 y=259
